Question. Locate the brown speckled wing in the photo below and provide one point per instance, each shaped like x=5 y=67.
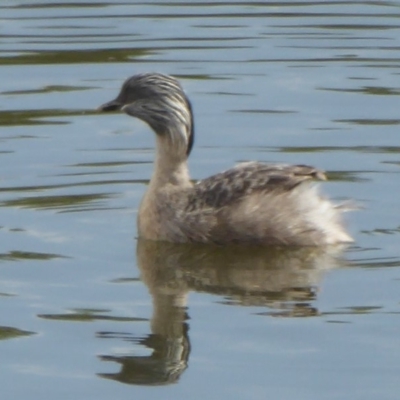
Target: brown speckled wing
x=244 y=179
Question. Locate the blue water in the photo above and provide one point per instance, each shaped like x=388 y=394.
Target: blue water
x=88 y=311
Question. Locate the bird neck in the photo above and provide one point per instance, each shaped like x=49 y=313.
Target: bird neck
x=170 y=165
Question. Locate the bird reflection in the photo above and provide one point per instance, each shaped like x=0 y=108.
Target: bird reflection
x=281 y=279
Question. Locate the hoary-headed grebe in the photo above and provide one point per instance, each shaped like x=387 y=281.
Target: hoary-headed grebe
x=253 y=202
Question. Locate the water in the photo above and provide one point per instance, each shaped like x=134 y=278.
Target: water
x=90 y=312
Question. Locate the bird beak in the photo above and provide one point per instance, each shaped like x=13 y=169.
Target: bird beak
x=113 y=105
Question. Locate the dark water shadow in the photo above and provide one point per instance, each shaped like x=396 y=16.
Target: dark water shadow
x=283 y=280
x=18 y=255
x=8 y=332
x=40 y=117
x=75 y=56
x=88 y=315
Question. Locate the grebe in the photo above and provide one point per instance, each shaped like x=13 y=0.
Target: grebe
x=253 y=202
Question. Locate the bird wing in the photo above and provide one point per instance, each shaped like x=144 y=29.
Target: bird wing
x=244 y=179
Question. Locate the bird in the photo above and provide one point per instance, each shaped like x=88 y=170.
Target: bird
x=253 y=203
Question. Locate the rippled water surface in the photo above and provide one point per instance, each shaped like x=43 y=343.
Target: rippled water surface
x=90 y=312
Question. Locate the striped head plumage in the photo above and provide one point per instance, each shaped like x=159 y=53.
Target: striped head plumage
x=160 y=101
